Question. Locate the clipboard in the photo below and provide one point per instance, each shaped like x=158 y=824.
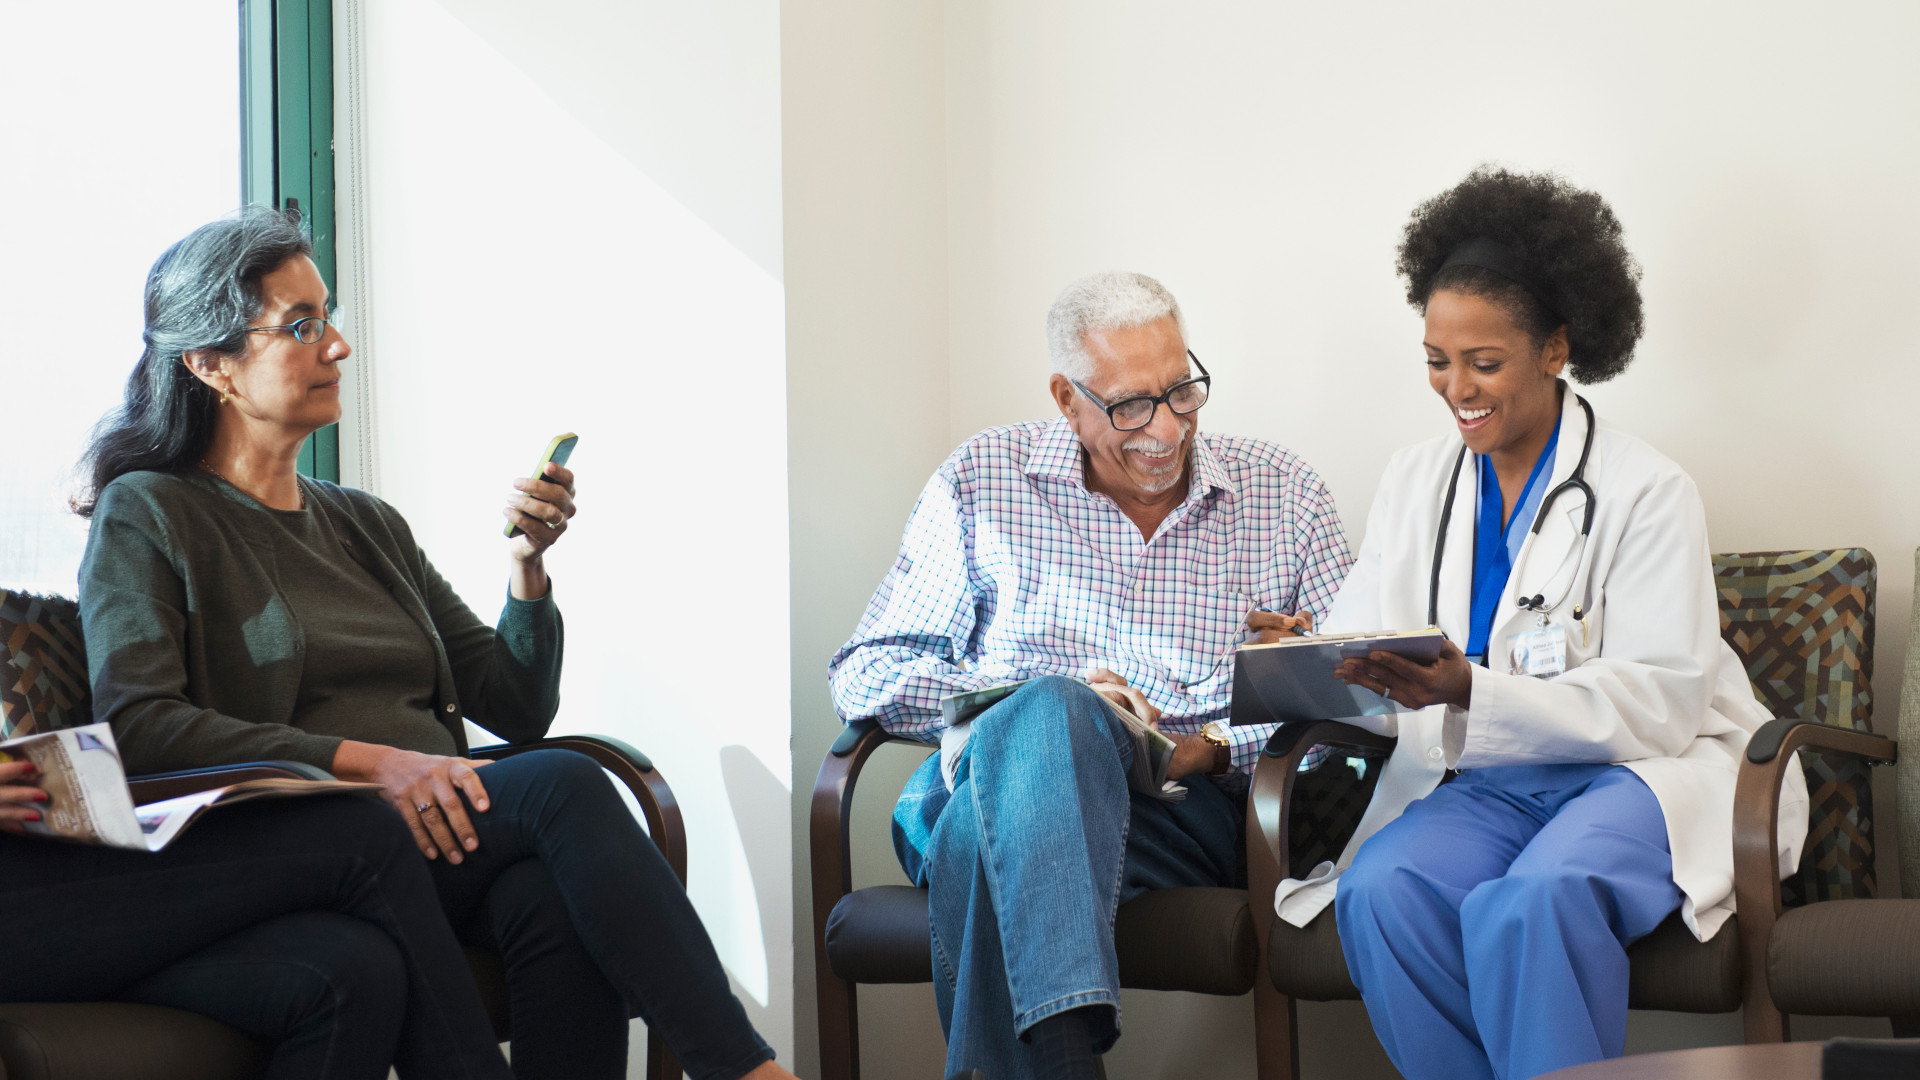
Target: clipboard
x=1294 y=680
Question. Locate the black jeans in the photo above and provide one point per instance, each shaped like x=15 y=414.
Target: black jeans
x=312 y=922
x=593 y=927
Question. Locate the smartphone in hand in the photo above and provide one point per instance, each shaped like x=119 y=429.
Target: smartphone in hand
x=558 y=451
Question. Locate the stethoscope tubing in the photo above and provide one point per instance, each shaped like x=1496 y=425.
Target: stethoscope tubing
x=1576 y=481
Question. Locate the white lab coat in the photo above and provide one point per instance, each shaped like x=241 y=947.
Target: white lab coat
x=1649 y=683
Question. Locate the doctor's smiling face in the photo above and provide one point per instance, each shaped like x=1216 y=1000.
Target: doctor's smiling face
x=1497 y=380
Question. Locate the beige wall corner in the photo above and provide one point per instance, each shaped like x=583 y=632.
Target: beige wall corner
x=866 y=269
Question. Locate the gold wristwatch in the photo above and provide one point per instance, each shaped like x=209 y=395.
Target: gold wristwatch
x=1215 y=732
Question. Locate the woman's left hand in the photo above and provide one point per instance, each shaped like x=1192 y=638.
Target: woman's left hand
x=19 y=801
x=1446 y=681
x=541 y=507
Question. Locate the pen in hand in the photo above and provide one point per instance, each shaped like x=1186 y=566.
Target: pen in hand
x=1265 y=626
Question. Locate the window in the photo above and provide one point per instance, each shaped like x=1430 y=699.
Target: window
x=118 y=129
x=125 y=125
x=287 y=72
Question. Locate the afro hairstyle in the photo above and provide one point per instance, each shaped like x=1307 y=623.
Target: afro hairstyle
x=1565 y=239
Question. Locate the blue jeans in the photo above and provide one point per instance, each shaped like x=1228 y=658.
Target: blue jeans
x=1487 y=926
x=310 y=922
x=1029 y=857
x=593 y=928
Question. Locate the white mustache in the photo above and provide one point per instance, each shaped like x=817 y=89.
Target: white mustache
x=1147 y=444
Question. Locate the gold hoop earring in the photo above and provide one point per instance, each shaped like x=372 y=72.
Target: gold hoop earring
x=224 y=398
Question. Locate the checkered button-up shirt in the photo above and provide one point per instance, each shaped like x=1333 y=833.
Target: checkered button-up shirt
x=1011 y=569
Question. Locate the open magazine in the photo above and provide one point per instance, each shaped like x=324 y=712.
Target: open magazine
x=1152 y=751
x=88 y=801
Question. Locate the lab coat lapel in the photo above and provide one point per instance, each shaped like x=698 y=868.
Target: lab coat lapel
x=1456 y=563
x=1547 y=559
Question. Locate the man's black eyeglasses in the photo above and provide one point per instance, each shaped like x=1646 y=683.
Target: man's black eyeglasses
x=1137 y=412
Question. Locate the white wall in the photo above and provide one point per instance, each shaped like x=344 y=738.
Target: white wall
x=866 y=266
x=535 y=270
x=1261 y=159
x=155 y=93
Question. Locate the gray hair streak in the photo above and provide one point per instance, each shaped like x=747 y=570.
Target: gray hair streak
x=201 y=294
x=1114 y=300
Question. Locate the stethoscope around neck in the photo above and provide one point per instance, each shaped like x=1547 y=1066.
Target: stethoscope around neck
x=1577 y=481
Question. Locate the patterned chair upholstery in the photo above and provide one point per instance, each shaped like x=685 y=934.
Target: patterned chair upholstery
x=43 y=683
x=1802 y=624
x=1856 y=955
x=43 y=686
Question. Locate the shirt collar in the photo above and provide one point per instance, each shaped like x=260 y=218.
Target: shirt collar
x=1057 y=453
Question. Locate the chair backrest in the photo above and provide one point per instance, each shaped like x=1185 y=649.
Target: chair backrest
x=1802 y=624
x=1908 y=769
x=43 y=665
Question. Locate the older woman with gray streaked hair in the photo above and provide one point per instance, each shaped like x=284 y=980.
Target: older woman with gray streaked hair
x=235 y=611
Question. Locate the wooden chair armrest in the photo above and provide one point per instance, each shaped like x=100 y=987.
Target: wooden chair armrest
x=632 y=768
x=1274 y=772
x=831 y=816
x=154 y=787
x=1756 y=860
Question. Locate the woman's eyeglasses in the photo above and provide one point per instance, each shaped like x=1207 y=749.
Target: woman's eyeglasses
x=306 y=331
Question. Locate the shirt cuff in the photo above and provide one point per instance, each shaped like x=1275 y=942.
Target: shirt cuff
x=535 y=615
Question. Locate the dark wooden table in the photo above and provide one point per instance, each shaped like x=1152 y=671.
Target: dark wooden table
x=1775 y=1061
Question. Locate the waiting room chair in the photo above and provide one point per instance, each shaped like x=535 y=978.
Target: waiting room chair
x=1861 y=956
x=43 y=686
x=1194 y=939
x=1802 y=624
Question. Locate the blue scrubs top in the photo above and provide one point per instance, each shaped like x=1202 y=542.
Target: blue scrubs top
x=1497 y=545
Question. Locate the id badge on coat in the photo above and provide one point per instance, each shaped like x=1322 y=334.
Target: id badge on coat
x=1540 y=652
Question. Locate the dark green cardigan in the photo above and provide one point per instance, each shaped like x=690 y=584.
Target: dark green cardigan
x=196 y=659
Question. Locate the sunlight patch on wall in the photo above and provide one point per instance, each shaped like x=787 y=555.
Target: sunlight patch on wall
x=530 y=281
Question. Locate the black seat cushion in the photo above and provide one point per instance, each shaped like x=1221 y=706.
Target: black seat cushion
x=115 y=1041
x=1675 y=971
x=1847 y=958
x=1671 y=970
x=880 y=935
x=1306 y=961
x=1198 y=939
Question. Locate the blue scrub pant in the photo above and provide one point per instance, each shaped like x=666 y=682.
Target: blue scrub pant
x=1487 y=926
x=1028 y=859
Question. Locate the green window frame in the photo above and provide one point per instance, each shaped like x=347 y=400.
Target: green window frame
x=286 y=155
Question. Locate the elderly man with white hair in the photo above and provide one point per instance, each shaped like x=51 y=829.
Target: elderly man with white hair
x=1113 y=553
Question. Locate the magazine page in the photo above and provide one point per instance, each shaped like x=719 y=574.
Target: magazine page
x=162 y=821
x=87 y=799
x=1152 y=750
